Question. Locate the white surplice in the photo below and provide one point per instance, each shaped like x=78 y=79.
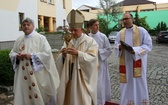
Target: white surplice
x=104 y=51
x=34 y=87
x=135 y=91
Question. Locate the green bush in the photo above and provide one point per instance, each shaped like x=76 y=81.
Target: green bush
x=40 y=29
x=103 y=25
x=161 y=26
x=58 y=32
x=6 y=69
x=152 y=32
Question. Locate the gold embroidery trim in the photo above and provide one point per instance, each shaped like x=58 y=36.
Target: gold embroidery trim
x=136 y=42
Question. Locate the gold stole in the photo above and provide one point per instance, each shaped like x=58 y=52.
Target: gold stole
x=136 y=64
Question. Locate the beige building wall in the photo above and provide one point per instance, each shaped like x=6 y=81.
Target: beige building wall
x=68 y=6
x=11 y=14
x=97 y=11
x=62 y=10
x=9 y=5
x=46 y=8
x=146 y=7
x=89 y=15
x=163 y=6
x=92 y=14
x=47 y=14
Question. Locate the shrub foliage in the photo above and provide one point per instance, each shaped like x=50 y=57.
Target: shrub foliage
x=6 y=70
x=161 y=26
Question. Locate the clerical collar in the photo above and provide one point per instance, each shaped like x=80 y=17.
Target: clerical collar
x=30 y=35
x=76 y=41
x=129 y=27
x=92 y=34
x=78 y=38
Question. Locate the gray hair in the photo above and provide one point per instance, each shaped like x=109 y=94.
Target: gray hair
x=28 y=20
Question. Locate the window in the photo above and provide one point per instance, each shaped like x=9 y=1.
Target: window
x=147 y=10
x=21 y=16
x=44 y=1
x=50 y=1
x=130 y=11
x=64 y=4
x=86 y=10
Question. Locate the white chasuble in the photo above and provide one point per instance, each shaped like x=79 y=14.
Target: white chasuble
x=78 y=74
x=35 y=87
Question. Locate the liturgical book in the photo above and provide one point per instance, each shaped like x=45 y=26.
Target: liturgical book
x=127 y=47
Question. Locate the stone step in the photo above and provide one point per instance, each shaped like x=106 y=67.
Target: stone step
x=6 y=88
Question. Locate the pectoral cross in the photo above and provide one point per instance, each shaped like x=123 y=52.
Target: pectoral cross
x=21 y=46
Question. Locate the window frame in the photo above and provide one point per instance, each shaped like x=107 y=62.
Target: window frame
x=21 y=17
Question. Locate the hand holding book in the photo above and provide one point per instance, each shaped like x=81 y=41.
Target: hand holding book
x=127 y=47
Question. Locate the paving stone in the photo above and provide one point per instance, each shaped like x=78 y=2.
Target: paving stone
x=157 y=76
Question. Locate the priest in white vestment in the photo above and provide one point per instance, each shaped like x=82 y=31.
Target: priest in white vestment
x=36 y=78
x=133 y=62
x=77 y=64
x=104 y=51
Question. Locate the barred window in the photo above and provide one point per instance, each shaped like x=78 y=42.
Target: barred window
x=21 y=17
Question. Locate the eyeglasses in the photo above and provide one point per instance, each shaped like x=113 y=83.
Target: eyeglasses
x=125 y=19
